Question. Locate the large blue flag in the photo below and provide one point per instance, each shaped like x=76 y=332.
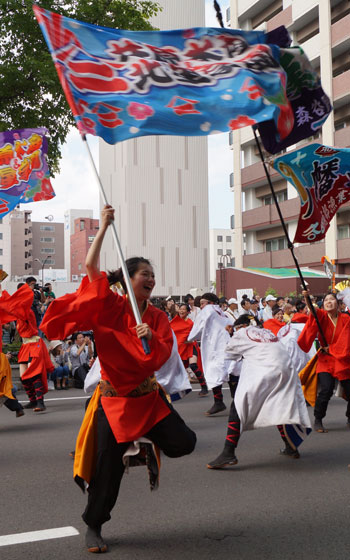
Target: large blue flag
x=24 y=173
x=321 y=175
x=193 y=82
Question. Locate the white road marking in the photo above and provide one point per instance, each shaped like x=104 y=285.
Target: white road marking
x=33 y=536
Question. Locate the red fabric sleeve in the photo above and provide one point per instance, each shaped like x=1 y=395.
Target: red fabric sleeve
x=309 y=332
x=80 y=310
x=17 y=306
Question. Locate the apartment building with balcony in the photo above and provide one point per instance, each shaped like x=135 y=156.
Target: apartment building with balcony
x=221 y=247
x=322 y=28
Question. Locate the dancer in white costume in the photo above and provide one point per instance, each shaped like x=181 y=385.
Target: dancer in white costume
x=210 y=327
x=268 y=393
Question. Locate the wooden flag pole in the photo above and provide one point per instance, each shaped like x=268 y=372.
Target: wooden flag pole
x=130 y=291
x=290 y=244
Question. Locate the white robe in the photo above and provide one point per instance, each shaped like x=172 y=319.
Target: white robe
x=289 y=335
x=209 y=328
x=172 y=376
x=269 y=390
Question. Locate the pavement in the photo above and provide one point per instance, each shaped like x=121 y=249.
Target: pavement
x=268 y=507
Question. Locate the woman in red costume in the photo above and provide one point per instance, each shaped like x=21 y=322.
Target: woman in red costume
x=33 y=358
x=334 y=359
x=128 y=403
x=189 y=351
x=277 y=321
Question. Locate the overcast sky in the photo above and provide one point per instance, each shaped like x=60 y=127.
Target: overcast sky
x=75 y=186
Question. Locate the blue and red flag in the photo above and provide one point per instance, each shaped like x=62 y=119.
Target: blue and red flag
x=321 y=175
x=24 y=173
x=193 y=82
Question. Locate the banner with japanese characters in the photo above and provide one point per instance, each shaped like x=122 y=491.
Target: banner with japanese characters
x=193 y=82
x=321 y=175
x=310 y=105
x=24 y=173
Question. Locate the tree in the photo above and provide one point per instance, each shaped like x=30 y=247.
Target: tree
x=30 y=92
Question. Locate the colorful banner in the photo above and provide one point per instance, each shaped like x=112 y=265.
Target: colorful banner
x=193 y=82
x=24 y=174
x=311 y=106
x=321 y=175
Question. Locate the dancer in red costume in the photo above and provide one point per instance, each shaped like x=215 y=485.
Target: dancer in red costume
x=33 y=358
x=189 y=351
x=128 y=403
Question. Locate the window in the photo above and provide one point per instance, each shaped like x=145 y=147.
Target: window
x=281 y=197
x=50 y=261
x=228 y=239
x=79 y=266
x=343 y=231
x=276 y=244
x=0 y=235
x=220 y=252
x=1 y=252
x=228 y=252
x=1 y=267
x=48 y=250
x=91 y=238
x=47 y=240
x=219 y=238
x=82 y=225
x=47 y=228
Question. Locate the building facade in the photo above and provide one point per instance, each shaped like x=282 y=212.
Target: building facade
x=221 y=250
x=47 y=246
x=16 y=243
x=159 y=188
x=69 y=217
x=322 y=28
x=85 y=230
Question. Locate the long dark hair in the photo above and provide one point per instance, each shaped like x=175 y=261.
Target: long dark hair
x=132 y=264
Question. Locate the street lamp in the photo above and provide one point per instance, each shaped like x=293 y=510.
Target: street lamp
x=42 y=263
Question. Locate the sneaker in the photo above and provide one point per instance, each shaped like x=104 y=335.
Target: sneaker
x=290 y=452
x=40 y=407
x=19 y=413
x=217 y=407
x=319 y=427
x=225 y=459
x=93 y=540
x=203 y=392
x=31 y=404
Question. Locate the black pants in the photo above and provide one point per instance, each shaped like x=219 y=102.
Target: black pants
x=234 y=423
x=171 y=434
x=13 y=405
x=325 y=386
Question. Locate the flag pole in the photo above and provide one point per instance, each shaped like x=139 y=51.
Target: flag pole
x=290 y=244
x=130 y=290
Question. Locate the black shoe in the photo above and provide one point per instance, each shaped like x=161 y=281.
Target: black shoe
x=31 y=404
x=204 y=391
x=319 y=427
x=40 y=407
x=290 y=452
x=217 y=407
x=225 y=459
x=93 y=540
x=19 y=413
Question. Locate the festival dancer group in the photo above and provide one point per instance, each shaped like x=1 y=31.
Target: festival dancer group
x=131 y=405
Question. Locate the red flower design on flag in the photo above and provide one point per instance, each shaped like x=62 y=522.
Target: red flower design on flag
x=240 y=122
x=139 y=111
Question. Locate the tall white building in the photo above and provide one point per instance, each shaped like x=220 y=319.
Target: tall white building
x=69 y=217
x=159 y=188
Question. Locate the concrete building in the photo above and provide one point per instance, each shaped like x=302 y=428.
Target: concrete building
x=85 y=230
x=221 y=250
x=69 y=217
x=47 y=246
x=16 y=243
x=159 y=188
x=322 y=28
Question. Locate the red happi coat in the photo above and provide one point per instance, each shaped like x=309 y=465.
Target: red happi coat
x=123 y=361
x=182 y=329
x=299 y=317
x=337 y=362
x=18 y=308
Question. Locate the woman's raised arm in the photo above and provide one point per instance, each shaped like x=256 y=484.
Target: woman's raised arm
x=91 y=261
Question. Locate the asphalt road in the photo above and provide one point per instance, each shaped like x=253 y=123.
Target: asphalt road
x=265 y=508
